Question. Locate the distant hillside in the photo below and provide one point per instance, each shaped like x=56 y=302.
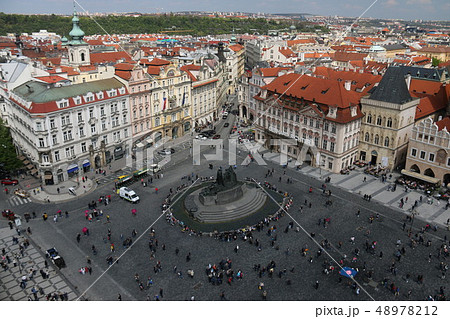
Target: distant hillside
x=14 y=23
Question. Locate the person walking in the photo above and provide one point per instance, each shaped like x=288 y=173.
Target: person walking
x=316 y=285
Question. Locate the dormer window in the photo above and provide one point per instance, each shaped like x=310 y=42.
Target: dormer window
x=100 y=95
x=332 y=112
x=62 y=104
x=89 y=97
x=353 y=111
x=112 y=93
x=122 y=89
x=77 y=100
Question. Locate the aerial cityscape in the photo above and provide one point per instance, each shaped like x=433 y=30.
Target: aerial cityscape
x=225 y=152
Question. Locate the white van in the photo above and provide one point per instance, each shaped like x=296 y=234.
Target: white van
x=154 y=168
x=128 y=194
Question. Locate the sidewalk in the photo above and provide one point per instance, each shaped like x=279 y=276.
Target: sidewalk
x=50 y=193
x=11 y=277
x=434 y=213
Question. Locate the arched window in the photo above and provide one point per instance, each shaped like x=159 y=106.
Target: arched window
x=389 y=122
x=82 y=56
x=386 y=141
x=366 y=137
x=369 y=118
x=379 y=120
x=376 y=139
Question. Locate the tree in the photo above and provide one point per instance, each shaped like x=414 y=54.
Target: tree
x=8 y=156
x=435 y=61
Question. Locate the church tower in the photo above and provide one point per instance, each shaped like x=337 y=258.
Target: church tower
x=78 y=50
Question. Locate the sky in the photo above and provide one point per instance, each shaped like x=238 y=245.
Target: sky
x=390 y=9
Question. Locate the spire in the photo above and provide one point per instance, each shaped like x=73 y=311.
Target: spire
x=77 y=34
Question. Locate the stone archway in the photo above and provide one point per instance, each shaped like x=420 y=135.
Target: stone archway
x=446 y=179
x=414 y=168
x=428 y=172
x=48 y=177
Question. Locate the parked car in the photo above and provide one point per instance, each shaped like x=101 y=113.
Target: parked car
x=8 y=181
x=226 y=124
x=201 y=137
x=54 y=256
x=216 y=137
x=166 y=151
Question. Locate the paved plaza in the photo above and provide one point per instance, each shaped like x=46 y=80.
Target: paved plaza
x=296 y=258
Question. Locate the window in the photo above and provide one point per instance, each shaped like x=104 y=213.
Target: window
x=431 y=157
x=57 y=157
x=422 y=154
x=376 y=140
x=413 y=152
x=102 y=111
x=81 y=131
x=311 y=122
x=52 y=123
x=324 y=144
x=330 y=165
x=54 y=139
x=305 y=120
x=366 y=137
x=115 y=121
x=379 y=120
x=124 y=119
x=93 y=130
x=125 y=133
x=333 y=128
x=325 y=126
x=91 y=113
x=41 y=142
x=369 y=118
x=38 y=126
x=103 y=125
x=67 y=152
x=448 y=161
x=80 y=117
x=45 y=158
x=317 y=124
x=386 y=141
x=389 y=122
x=83 y=147
x=332 y=146
x=105 y=139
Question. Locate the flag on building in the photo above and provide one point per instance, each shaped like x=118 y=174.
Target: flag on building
x=164 y=103
x=184 y=97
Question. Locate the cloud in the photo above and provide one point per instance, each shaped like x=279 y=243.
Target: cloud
x=391 y=3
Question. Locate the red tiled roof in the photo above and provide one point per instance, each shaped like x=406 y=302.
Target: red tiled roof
x=236 y=47
x=324 y=92
x=300 y=41
x=51 y=78
x=154 y=70
x=348 y=56
x=444 y=123
x=108 y=57
x=205 y=83
x=124 y=66
x=272 y=72
x=86 y=68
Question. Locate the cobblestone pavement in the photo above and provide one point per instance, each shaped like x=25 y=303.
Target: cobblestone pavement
x=32 y=260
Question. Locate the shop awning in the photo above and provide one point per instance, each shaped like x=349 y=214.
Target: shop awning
x=86 y=163
x=26 y=162
x=22 y=158
x=428 y=179
x=30 y=166
x=33 y=171
x=50 y=176
x=72 y=168
x=140 y=172
x=139 y=145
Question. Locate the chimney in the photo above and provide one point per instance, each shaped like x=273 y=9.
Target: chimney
x=408 y=80
x=348 y=85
